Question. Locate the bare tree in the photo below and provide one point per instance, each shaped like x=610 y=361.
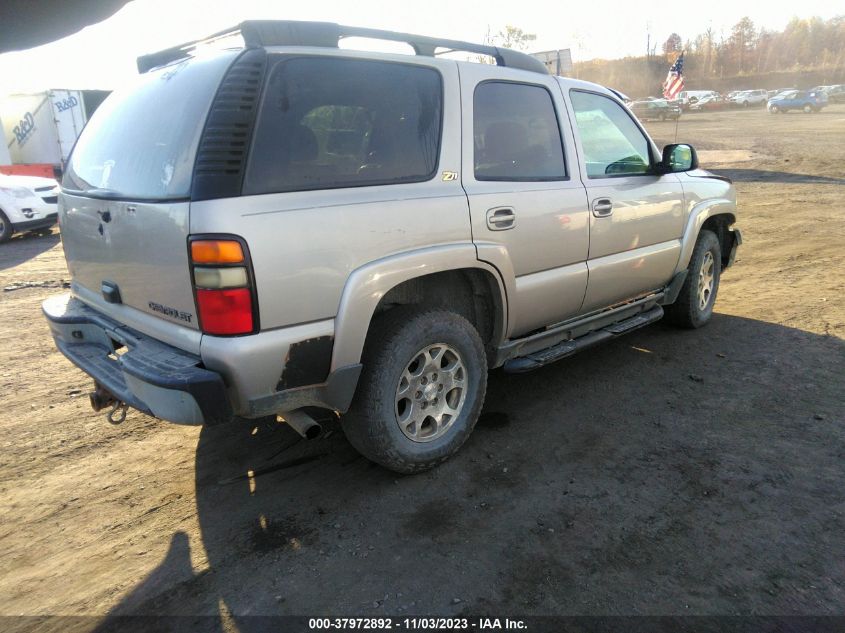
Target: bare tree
x=673 y=44
x=513 y=37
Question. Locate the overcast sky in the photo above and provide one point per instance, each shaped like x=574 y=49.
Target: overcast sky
x=101 y=55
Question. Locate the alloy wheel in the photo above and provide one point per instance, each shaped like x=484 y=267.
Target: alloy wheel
x=431 y=392
x=705 y=281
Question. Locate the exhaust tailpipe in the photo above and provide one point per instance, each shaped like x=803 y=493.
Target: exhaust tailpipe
x=303 y=424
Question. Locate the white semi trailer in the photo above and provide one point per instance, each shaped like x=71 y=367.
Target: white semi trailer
x=41 y=128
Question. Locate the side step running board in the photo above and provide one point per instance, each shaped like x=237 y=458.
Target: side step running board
x=568 y=348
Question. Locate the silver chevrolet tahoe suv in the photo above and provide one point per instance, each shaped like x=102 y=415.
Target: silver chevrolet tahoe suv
x=290 y=224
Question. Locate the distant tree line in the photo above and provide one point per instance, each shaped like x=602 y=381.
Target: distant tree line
x=806 y=47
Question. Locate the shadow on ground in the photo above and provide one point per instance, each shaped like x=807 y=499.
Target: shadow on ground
x=667 y=472
x=22 y=248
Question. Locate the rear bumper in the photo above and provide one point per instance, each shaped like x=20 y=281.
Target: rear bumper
x=148 y=375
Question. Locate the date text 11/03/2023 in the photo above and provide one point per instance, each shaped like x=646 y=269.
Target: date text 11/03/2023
x=418 y=623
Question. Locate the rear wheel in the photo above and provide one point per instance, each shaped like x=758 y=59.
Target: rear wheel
x=421 y=391
x=5 y=228
x=808 y=109
x=694 y=305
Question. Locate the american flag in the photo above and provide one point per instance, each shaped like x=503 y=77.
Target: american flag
x=675 y=79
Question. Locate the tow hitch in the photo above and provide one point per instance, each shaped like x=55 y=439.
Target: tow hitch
x=101 y=398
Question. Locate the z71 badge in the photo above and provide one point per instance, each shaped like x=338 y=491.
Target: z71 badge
x=450 y=175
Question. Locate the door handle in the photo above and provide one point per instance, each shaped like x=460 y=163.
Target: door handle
x=602 y=207
x=501 y=218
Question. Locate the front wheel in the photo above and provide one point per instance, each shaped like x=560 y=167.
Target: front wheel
x=694 y=305
x=808 y=109
x=774 y=109
x=421 y=390
x=5 y=228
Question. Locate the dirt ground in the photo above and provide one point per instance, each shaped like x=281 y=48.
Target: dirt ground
x=668 y=472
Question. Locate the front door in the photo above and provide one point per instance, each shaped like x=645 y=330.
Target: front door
x=636 y=217
x=528 y=207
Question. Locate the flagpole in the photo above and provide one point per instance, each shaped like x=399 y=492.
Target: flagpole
x=677 y=120
x=680 y=109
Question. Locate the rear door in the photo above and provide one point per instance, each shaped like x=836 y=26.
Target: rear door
x=528 y=208
x=125 y=196
x=636 y=217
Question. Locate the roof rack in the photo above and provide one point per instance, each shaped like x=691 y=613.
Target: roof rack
x=258 y=33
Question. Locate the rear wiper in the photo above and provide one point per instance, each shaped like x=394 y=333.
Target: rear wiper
x=111 y=194
x=107 y=194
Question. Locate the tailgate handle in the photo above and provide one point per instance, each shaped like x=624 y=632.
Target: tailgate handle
x=111 y=292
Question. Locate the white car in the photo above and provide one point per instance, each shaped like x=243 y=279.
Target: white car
x=748 y=98
x=27 y=203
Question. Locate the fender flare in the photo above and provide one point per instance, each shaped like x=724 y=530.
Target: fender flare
x=367 y=284
x=698 y=216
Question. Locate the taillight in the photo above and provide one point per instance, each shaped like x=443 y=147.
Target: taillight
x=225 y=311
x=223 y=286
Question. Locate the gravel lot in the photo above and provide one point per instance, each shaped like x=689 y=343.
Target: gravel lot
x=668 y=472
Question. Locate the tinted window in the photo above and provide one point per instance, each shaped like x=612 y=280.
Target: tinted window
x=613 y=144
x=516 y=134
x=142 y=141
x=329 y=123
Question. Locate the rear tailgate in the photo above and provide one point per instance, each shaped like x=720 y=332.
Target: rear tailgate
x=124 y=208
x=138 y=249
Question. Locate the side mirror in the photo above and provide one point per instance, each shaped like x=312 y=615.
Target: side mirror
x=678 y=157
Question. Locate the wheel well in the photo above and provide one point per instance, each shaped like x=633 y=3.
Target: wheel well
x=719 y=224
x=471 y=292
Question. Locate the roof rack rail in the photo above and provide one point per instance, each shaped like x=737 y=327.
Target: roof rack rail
x=257 y=33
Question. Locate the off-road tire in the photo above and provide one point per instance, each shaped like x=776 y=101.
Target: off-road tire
x=5 y=228
x=686 y=311
x=395 y=338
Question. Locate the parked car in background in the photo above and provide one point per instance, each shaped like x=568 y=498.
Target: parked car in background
x=823 y=89
x=806 y=100
x=750 y=98
x=688 y=97
x=27 y=203
x=709 y=103
x=836 y=93
x=659 y=109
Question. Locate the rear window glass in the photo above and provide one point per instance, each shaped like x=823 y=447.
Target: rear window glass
x=142 y=141
x=328 y=123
